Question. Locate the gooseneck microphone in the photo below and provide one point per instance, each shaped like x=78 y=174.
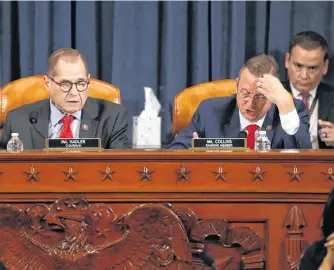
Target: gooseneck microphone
x=242 y=134
x=33 y=119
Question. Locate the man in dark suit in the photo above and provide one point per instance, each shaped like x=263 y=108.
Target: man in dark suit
x=306 y=63
x=261 y=102
x=69 y=113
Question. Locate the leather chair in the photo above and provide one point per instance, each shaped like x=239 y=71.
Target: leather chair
x=187 y=101
x=31 y=89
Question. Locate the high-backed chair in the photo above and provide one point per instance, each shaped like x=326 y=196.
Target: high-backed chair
x=187 y=101
x=30 y=89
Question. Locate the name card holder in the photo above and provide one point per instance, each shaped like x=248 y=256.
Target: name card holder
x=81 y=144
x=220 y=143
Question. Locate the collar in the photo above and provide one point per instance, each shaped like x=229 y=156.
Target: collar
x=296 y=93
x=244 y=122
x=56 y=115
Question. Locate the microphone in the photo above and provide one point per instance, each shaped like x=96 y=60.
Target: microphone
x=242 y=134
x=299 y=145
x=207 y=259
x=33 y=119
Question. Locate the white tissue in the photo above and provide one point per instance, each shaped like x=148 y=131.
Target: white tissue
x=147 y=126
x=152 y=104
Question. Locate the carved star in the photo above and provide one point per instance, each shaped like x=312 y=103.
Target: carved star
x=220 y=174
x=97 y=215
x=101 y=233
x=70 y=174
x=121 y=223
x=145 y=174
x=71 y=204
x=257 y=174
x=329 y=175
x=182 y=173
x=107 y=174
x=295 y=175
x=38 y=230
x=32 y=175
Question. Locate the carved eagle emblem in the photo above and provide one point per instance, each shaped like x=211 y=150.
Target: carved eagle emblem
x=72 y=234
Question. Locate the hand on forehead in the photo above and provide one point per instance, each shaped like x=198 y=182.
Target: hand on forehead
x=253 y=87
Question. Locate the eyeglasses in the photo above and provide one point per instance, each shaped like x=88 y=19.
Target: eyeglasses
x=247 y=96
x=66 y=86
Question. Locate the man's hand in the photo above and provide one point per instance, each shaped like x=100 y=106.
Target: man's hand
x=195 y=135
x=273 y=90
x=330 y=241
x=328 y=262
x=326 y=132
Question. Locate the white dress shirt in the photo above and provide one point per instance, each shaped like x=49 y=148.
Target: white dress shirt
x=313 y=117
x=290 y=122
x=55 y=124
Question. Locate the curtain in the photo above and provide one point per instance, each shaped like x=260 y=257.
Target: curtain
x=164 y=45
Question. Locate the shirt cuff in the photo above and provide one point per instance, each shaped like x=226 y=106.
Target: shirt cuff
x=290 y=122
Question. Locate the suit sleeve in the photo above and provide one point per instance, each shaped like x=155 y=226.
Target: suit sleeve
x=6 y=132
x=313 y=256
x=302 y=136
x=118 y=138
x=184 y=138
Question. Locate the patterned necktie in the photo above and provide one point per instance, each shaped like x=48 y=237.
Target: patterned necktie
x=251 y=135
x=66 y=131
x=305 y=98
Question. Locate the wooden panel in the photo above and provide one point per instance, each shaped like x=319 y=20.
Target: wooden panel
x=258 y=210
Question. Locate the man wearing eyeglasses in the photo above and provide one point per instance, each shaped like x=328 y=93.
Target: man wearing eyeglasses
x=69 y=113
x=261 y=102
x=307 y=63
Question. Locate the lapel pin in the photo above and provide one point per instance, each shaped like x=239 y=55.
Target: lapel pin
x=269 y=127
x=84 y=126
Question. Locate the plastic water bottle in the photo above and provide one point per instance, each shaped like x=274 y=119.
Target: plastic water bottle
x=15 y=145
x=262 y=143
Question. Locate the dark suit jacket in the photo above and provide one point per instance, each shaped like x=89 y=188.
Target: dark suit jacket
x=219 y=118
x=105 y=120
x=325 y=94
x=316 y=252
x=313 y=256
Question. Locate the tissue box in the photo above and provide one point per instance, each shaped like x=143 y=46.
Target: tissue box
x=146 y=132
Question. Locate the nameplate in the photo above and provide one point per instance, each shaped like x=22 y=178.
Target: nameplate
x=223 y=143
x=73 y=144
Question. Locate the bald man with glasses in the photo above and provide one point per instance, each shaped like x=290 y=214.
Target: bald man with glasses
x=69 y=113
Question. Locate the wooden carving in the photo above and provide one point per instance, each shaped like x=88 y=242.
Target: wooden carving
x=72 y=234
x=294 y=242
x=218 y=232
x=220 y=174
x=257 y=174
x=32 y=175
x=329 y=175
x=182 y=173
x=70 y=174
x=107 y=174
x=214 y=243
x=295 y=174
x=145 y=173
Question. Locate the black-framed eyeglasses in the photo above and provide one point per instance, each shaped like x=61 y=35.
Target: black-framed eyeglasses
x=66 y=86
